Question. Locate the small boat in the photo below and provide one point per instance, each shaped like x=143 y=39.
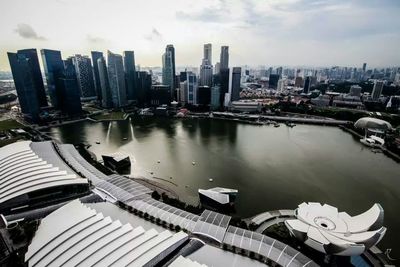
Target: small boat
x=125 y=138
x=290 y=124
x=193 y=163
x=151 y=173
x=158 y=161
x=210 y=180
x=97 y=142
x=276 y=125
x=373 y=141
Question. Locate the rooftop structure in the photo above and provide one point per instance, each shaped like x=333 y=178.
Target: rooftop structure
x=323 y=228
x=219 y=195
x=77 y=235
x=33 y=174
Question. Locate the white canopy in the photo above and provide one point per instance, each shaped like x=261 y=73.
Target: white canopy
x=372 y=123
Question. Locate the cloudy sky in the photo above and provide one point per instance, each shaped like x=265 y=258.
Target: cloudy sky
x=258 y=32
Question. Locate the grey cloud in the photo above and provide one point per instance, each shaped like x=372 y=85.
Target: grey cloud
x=207 y=14
x=27 y=32
x=95 y=39
x=155 y=35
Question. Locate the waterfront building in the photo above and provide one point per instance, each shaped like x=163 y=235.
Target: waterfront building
x=144 y=86
x=236 y=78
x=53 y=69
x=67 y=84
x=273 y=81
x=224 y=57
x=215 y=97
x=24 y=84
x=106 y=99
x=192 y=87
x=95 y=57
x=307 y=84
x=168 y=68
x=224 y=84
x=377 y=90
x=183 y=92
x=204 y=95
x=160 y=95
x=116 y=78
x=37 y=79
x=84 y=73
x=246 y=106
x=130 y=74
x=34 y=176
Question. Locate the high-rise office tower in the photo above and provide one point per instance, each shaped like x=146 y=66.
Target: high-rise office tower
x=206 y=69
x=192 y=87
x=116 y=78
x=224 y=59
x=281 y=85
x=273 y=81
x=279 y=71
x=355 y=90
x=67 y=84
x=95 y=57
x=182 y=92
x=106 y=99
x=217 y=68
x=130 y=74
x=236 y=77
x=84 y=74
x=215 y=97
x=364 y=68
x=224 y=84
x=53 y=68
x=307 y=84
x=204 y=95
x=377 y=90
x=32 y=56
x=168 y=69
x=208 y=53
x=24 y=79
x=144 y=87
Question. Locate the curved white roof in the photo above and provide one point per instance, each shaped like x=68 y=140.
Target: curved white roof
x=325 y=229
x=75 y=235
x=26 y=167
x=373 y=123
x=185 y=262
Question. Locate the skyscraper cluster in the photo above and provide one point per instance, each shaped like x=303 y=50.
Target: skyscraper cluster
x=113 y=84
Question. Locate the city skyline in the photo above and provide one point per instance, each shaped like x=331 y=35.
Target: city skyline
x=291 y=33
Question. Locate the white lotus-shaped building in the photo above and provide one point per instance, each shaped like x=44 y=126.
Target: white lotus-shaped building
x=325 y=229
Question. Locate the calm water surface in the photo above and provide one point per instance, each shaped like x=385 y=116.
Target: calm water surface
x=273 y=168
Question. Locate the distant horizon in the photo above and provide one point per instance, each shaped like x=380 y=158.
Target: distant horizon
x=275 y=32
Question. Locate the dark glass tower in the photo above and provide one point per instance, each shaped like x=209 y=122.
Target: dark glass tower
x=106 y=100
x=53 y=68
x=70 y=95
x=95 y=56
x=84 y=74
x=23 y=73
x=31 y=54
x=144 y=87
x=224 y=82
x=307 y=84
x=236 y=76
x=130 y=74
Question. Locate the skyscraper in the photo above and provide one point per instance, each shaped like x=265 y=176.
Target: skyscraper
x=53 y=68
x=95 y=56
x=24 y=79
x=67 y=84
x=192 y=87
x=364 y=68
x=224 y=59
x=168 y=68
x=130 y=74
x=84 y=74
x=224 y=84
x=32 y=56
x=236 y=77
x=215 y=97
x=281 y=85
x=204 y=95
x=208 y=53
x=106 y=99
x=116 y=78
x=273 y=81
x=307 y=84
x=377 y=90
x=144 y=87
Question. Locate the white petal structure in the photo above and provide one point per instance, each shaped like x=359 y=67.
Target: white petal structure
x=75 y=235
x=325 y=229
